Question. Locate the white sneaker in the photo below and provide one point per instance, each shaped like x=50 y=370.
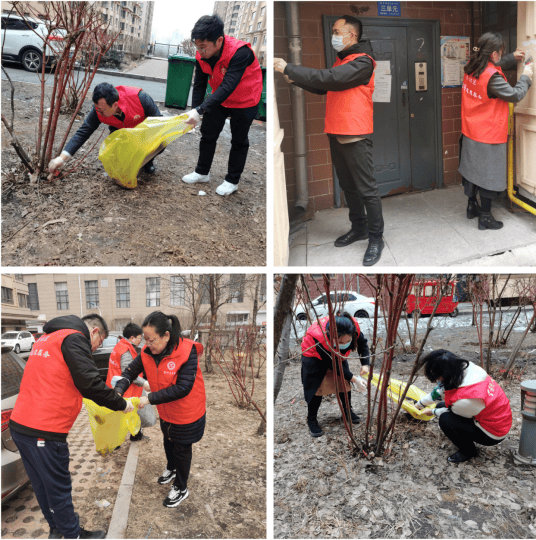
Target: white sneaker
x=193 y=178
x=226 y=188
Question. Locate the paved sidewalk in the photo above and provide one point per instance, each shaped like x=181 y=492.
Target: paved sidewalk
x=422 y=229
x=94 y=478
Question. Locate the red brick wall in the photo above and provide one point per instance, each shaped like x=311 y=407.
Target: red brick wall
x=455 y=20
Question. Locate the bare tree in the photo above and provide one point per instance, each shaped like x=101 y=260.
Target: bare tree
x=188 y=47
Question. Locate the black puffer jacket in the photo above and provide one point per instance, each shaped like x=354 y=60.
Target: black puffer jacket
x=184 y=433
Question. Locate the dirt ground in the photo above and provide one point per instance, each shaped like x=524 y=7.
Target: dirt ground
x=163 y=222
x=323 y=490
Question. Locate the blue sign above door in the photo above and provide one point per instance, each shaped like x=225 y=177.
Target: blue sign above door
x=389 y=9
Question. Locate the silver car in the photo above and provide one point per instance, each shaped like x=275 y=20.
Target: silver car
x=14 y=476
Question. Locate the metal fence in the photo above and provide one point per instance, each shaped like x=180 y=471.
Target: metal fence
x=163 y=50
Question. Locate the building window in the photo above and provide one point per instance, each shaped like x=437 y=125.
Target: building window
x=253 y=13
x=264 y=41
x=7 y=295
x=263 y=9
x=236 y=288
x=259 y=25
x=19 y=277
x=254 y=41
x=122 y=293
x=62 y=295
x=122 y=26
x=250 y=28
x=177 y=291
x=23 y=300
x=234 y=319
x=152 y=291
x=33 y=297
x=92 y=294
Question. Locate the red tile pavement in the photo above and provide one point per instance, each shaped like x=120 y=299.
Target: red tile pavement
x=22 y=517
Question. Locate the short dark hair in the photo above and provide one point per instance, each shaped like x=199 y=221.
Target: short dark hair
x=96 y=321
x=208 y=27
x=165 y=323
x=107 y=91
x=131 y=330
x=355 y=22
x=345 y=327
x=442 y=363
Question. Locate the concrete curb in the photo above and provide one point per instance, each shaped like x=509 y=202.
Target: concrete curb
x=119 y=522
x=131 y=76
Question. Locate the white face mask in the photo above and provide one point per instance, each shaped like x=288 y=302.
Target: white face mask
x=336 y=43
x=345 y=346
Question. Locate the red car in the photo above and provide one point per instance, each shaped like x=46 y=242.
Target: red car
x=425 y=295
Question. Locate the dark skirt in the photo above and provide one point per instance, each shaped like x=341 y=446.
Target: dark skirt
x=471 y=190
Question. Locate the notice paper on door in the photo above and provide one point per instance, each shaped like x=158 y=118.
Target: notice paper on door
x=382 y=88
x=383 y=67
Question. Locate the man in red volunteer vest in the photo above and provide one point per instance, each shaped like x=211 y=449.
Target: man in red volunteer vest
x=118 y=107
x=121 y=357
x=234 y=74
x=349 y=85
x=58 y=374
x=471 y=406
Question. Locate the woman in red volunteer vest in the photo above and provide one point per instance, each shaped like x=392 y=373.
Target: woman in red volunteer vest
x=171 y=364
x=483 y=144
x=316 y=363
x=472 y=406
x=121 y=357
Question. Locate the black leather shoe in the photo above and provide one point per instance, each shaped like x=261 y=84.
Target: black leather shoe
x=487 y=221
x=473 y=209
x=314 y=428
x=350 y=238
x=149 y=168
x=374 y=252
x=458 y=457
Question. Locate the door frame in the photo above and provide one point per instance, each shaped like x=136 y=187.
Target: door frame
x=327 y=23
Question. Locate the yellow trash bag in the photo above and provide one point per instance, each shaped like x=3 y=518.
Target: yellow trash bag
x=396 y=389
x=125 y=151
x=109 y=427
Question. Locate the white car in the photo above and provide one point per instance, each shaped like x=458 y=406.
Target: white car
x=18 y=340
x=346 y=302
x=21 y=44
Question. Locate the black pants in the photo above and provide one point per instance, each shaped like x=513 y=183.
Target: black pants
x=179 y=458
x=463 y=432
x=211 y=127
x=149 y=163
x=314 y=404
x=353 y=163
x=48 y=470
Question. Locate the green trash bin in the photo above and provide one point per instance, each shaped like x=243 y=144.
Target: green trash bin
x=179 y=80
x=261 y=115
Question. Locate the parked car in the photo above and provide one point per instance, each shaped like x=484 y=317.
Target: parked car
x=102 y=354
x=19 y=341
x=22 y=44
x=346 y=302
x=14 y=476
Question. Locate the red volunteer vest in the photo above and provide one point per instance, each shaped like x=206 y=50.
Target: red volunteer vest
x=48 y=399
x=350 y=112
x=315 y=332
x=191 y=407
x=114 y=367
x=484 y=120
x=249 y=89
x=496 y=417
x=129 y=102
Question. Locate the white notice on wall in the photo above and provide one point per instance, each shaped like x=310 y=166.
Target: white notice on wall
x=382 y=88
x=383 y=67
x=451 y=72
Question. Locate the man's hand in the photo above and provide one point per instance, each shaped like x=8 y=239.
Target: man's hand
x=58 y=163
x=428 y=412
x=193 y=117
x=364 y=371
x=144 y=400
x=279 y=65
x=529 y=70
x=146 y=386
x=519 y=54
x=129 y=407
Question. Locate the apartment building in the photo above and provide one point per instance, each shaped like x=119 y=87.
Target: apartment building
x=133 y=21
x=122 y=298
x=16 y=312
x=245 y=21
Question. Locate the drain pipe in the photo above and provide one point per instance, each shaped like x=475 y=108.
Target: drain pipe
x=526 y=455
x=298 y=114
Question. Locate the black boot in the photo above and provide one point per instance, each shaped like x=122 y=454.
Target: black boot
x=55 y=533
x=314 y=428
x=138 y=437
x=473 y=209
x=353 y=416
x=458 y=457
x=350 y=238
x=374 y=252
x=487 y=221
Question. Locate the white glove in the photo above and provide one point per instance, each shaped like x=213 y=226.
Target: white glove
x=146 y=386
x=529 y=70
x=360 y=384
x=129 y=407
x=419 y=406
x=58 y=162
x=193 y=117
